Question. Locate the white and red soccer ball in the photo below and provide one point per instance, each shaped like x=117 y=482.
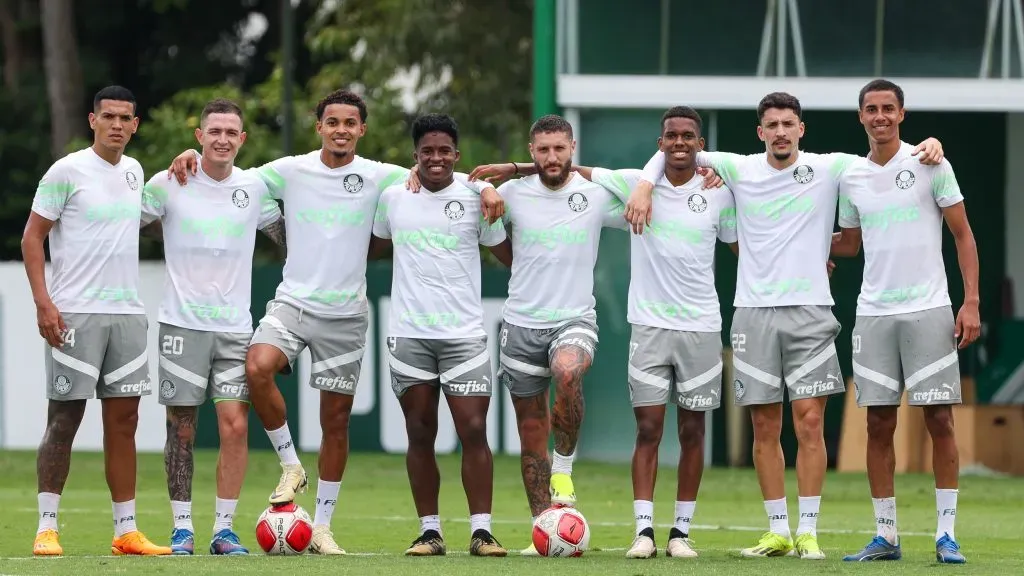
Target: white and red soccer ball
x=284 y=530
x=561 y=532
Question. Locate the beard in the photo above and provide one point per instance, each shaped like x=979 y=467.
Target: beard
x=557 y=180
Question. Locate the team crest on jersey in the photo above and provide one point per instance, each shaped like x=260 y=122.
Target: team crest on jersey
x=167 y=389
x=454 y=210
x=240 y=198
x=62 y=385
x=803 y=174
x=697 y=203
x=905 y=179
x=578 y=202
x=739 y=388
x=353 y=183
x=132 y=180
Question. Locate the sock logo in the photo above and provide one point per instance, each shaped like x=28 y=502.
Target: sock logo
x=948 y=512
x=285 y=446
x=647 y=517
x=778 y=516
x=683 y=519
x=48 y=515
x=326 y=502
x=124 y=519
x=224 y=516
x=808 y=514
x=885 y=522
x=183 y=517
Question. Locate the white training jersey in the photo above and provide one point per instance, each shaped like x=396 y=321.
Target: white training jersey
x=899 y=210
x=555 y=236
x=94 y=242
x=209 y=235
x=672 y=278
x=435 y=288
x=784 y=220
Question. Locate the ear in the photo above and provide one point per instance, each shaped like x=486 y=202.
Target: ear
x=199 y=135
x=241 y=138
x=659 y=142
x=760 y=133
x=362 y=130
x=92 y=120
x=135 y=124
x=801 y=129
x=458 y=155
x=700 y=143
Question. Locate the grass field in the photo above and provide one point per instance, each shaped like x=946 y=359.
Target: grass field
x=375 y=521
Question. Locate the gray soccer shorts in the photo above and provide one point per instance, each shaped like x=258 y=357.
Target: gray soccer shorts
x=791 y=344
x=683 y=366
x=916 y=350
x=196 y=365
x=103 y=356
x=526 y=353
x=335 y=344
x=461 y=366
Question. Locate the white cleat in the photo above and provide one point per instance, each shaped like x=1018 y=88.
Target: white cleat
x=643 y=545
x=530 y=550
x=293 y=480
x=679 y=546
x=323 y=542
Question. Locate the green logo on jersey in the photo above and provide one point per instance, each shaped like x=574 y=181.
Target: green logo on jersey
x=431 y=318
x=333 y=216
x=210 y=312
x=675 y=230
x=890 y=214
x=785 y=204
x=113 y=212
x=212 y=227
x=788 y=286
x=550 y=314
x=333 y=297
x=669 y=310
x=110 y=294
x=425 y=238
x=901 y=295
x=560 y=235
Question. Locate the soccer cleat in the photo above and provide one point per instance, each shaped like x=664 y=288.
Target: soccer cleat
x=947 y=551
x=807 y=547
x=643 y=545
x=323 y=542
x=225 y=543
x=562 y=491
x=770 y=544
x=679 y=545
x=483 y=543
x=429 y=543
x=878 y=549
x=182 y=542
x=293 y=479
x=135 y=543
x=530 y=550
x=47 y=544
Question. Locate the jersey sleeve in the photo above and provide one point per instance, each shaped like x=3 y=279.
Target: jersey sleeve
x=270 y=212
x=726 y=164
x=655 y=168
x=619 y=182
x=53 y=192
x=849 y=216
x=945 y=189
x=838 y=162
x=477 y=186
x=389 y=175
x=381 y=225
x=491 y=234
x=726 y=215
x=505 y=191
x=154 y=198
x=275 y=174
x=613 y=210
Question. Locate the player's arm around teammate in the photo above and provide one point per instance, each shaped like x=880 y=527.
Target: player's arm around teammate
x=88 y=204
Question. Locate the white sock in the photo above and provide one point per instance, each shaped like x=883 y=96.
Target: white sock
x=430 y=523
x=643 y=513
x=478 y=522
x=182 y=512
x=885 y=518
x=808 y=523
x=684 y=515
x=282 y=441
x=225 y=515
x=562 y=464
x=326 y=500
x=945 y=507
x=778 y=517
x=124 y=517
x=48 y=504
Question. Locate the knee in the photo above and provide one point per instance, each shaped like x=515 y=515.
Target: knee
x=809 y=427
x=692 y=431
x=128 y=422
x=939 y=421
x=422 y=431
x=767 y=426
x=648 y=432
x=533 y=431
x=234 y=428
x=335 y=423
x=259 y=370
x=881 y=424
x=474 y=430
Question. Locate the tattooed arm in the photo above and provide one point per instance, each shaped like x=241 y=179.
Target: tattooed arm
x=178 y=460
x=275 y=231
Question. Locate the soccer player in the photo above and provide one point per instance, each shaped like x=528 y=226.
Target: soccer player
x=88 y=204
x=436 y=336
x=783 y=330
x=905 y=335
x=330 y=197
x=209 y=231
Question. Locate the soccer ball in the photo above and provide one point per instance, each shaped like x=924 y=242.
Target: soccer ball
x=561 y=531
x=284 y=530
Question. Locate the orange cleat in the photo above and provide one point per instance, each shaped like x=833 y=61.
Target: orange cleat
x=47 y=544
x=136 y=544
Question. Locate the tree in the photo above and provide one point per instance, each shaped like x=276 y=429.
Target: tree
x=63 y=73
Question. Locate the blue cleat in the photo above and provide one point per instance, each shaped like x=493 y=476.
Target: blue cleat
x=947 y=551
x=878 y=549
x=182 y=542
x=225 y=543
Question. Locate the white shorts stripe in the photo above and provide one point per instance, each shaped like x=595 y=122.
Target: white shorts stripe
x=756 y=373
x=186 y=375
x=523 y=367
x=75 y=364
x=280 y=328
x=471 y=364
x=649 y=379
x=931 y=369
x=410 y=371
x=335 y=361
x=876 y=377
x=127 y=369
x=795 y=376
x=701 y=379
x=229 y=374
x=578 y=330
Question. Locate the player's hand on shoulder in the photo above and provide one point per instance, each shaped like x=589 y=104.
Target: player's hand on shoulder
x=413 y=182
x=638 y=207
x=492 y=204
x=929 y=152
x=51 y=323
x=492 y=172
x=183 y=165
x=711 y=178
